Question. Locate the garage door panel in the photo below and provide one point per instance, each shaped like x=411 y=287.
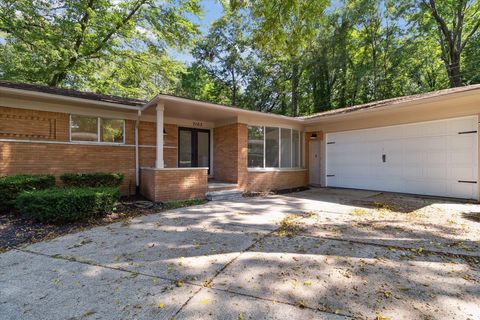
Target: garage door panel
x=433 y=172
x=460 y=142
x=461 y=159
x=425 y=158
x=433 y=158
x=461 y=125
x=459 y=190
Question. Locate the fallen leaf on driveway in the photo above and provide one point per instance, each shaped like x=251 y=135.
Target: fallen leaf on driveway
x=205 y=301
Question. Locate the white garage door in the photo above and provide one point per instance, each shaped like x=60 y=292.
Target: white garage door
x=432 y=158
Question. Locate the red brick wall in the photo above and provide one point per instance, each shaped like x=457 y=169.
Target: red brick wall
x=174 y=184
x=22 y=124
x=276 y=180
x=60 y=157
x=55 y=158
x=225 y=153
x=242 y=155
x=230 y=153
x=230 y=163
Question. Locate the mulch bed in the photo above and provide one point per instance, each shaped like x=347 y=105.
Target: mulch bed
x=17 y=231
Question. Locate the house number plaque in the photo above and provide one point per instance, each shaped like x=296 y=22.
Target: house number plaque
x=197 y=124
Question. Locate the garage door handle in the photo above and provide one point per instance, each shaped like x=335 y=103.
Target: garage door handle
x=384 y=157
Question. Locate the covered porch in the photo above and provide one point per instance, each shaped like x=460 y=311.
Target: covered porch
x=192 y=156
x=197 y=142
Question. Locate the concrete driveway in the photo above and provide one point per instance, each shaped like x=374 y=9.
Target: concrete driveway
x=318 y=254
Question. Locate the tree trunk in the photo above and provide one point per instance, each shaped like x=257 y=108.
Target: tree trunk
x=295 y=81
x=454 y=71
x=234 y=89
x=451 y=40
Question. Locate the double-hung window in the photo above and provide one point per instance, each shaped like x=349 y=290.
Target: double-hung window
x=96 y=129
x=272 y=147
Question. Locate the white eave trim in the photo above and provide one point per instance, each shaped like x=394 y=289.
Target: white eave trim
x=214 y=106
x=36 y=94
x=309 y=120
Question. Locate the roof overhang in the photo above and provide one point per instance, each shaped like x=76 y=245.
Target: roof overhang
x=183 y=108
x=352 y=113
x=6 y=92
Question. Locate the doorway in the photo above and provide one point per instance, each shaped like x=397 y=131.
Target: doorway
x=193 y=148
x=314 y=162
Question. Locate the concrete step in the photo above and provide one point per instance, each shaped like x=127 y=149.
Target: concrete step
x=221 y=186
x=224 y=195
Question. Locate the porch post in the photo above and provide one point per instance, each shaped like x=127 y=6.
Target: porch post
x=159 y=161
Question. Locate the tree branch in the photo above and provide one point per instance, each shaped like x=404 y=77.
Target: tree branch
x=117 y=27
x=476 y=27
x=442 y=24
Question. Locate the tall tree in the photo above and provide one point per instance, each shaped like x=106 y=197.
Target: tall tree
x=51 y=39
x=224 y=52
x=286 y=27
x=457 y=22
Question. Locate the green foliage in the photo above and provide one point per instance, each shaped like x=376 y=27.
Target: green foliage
x=60 y=42
x=291 y=57
x=11 y=186
x=452 y=24
x=93 y=180
x=223 y=53
x=66 y=205
x=197 y=84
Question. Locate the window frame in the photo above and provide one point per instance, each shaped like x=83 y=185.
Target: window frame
x=99 y=131
x=300 y=166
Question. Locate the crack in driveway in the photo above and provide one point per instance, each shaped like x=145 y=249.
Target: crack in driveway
x=207 y=283
x=244 y=262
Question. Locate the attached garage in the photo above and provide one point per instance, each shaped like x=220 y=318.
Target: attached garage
x=438 y=158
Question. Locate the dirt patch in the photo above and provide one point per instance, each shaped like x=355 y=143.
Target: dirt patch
x=250 y=194
x=291 y=225
x=472 y=216
x=17 y=231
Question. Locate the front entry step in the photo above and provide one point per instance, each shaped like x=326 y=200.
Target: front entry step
x=224 y=195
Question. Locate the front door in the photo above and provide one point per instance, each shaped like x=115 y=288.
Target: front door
x=193 y=148
x=314 y=162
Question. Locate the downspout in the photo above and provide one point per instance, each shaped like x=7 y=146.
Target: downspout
x=137 y=160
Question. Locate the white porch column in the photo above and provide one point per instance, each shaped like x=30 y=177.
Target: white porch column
x=159 y=161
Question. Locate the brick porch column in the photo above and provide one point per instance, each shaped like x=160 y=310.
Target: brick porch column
x=159 y=164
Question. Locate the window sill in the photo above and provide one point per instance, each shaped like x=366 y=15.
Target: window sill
x=275 y=169
x=173 y=168
x=98 y=143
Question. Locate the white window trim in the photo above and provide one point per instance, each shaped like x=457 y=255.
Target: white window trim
x=99 y=128
x=274 y=169
x=300 y=166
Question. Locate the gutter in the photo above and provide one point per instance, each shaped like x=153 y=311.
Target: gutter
x=36 y=94
x=137 y=160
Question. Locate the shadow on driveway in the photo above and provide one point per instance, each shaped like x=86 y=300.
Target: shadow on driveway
x=224 y=260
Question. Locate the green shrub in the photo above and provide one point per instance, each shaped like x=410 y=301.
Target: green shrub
x=67 y=204
x=93 y=180
x=11 y=186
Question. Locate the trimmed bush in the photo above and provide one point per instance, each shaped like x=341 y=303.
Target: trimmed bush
x=11 y=186
x=67 y=204
x=93 y=180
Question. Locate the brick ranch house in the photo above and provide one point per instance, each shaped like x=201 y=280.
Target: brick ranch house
x=172 y=148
